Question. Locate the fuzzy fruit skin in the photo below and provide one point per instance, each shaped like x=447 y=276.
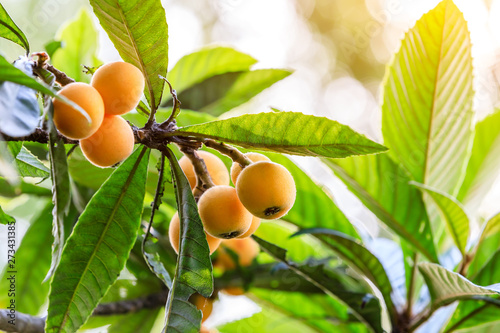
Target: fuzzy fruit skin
x=266 y=189
x=215 y=167
x=236 y=167
x=203 y=304
x=247 y=250
x=70 y=122
x=112 y=143
x=173 y=234
x=253 y=227
x=222 y=213
x=120 y=84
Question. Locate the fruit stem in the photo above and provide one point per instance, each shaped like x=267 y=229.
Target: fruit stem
x=203 y=179
x=233 y=153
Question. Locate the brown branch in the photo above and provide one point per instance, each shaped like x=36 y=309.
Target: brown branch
x=203 y=179
x=233 y=153
x=20 y=322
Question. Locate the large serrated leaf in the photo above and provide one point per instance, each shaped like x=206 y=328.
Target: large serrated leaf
x=453 y=213
x=79 y=41
x=286 y=132
x=205 y=63
x=32 y=263
x=139 y=31
x=10 y=31
x=446 y=287
x=427 y=109
x=194 y=267
x=383 y=188
x=365 y=307
x=360 y=258
x=221 y=93
x=96 y=251
x=483 y=163
x=61 y=193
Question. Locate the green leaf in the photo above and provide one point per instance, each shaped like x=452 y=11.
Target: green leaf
x=32 y=264
x=286 y=132
x=11 y=191
x=483 y=163
x=84 y=172
x=135 y=322
x=427 y=109
x=61 y=193
x=205 y=63
x=6 y=218
x=221 y=93
x=365 y=307
x=486 y=246
x=96 y=251
x=52 y=46
x=446 y=287
x=453 y=213
x=10 y=31
x=194 y=267
x=383 y=188
x=29 y=165
x=139 y=31
x=79 y=47
x=360 y=258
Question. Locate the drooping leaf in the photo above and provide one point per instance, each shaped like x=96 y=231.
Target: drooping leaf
x=96 y=251
x=221 y=93
x=383 y=188
x=10 y=31
x=360 y=258
x=194 y=267
x=6 y=218
x=32 y=263
x=29 y=165
x=61 y=192
x=486 y=246
x=483 y=163
x=453 y=213
x=19 y=110
x=208 y=62
x=446 y=287
x=365 y=307
x=22 y=77
x=139 y=31
x=79 y=47
x=427 y=109
x=286 y=132
x=10 y=191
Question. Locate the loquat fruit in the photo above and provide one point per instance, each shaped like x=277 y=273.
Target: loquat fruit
x=215 y=168
x=173 y=234
x=236 y=167
x=246 y=249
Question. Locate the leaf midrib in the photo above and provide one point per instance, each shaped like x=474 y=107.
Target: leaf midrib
x=26 y=46
x=101 y=237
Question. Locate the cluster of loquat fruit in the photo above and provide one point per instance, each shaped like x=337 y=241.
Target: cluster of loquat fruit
x=230 y=215
x=116 y=88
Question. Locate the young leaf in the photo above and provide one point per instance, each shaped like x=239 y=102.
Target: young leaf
x=486 y=246
x=205 y=63
x=32 y=263
x=360 y=258
x=427 y=109
x=286 y=132
x=96 y=251
x=139 y=31
x=9 y=30
x=61 y=193
x=79 y=47
x=193 y=272
x=383 y=188
x=453 y=213
x=365 y=307
x=6 y=218
x=221 y=93
x=29 y=165
x=483 y=164
x=446 y=287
